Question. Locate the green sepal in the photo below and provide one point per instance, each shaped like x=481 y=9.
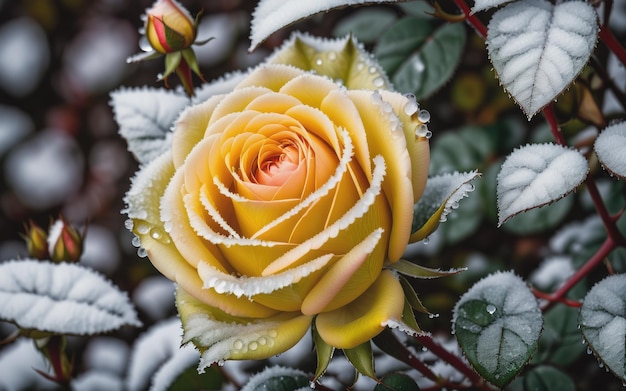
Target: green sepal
x=192 y=61
x=172 y=61
x=411 y=297
x=173 y=38
x=324 y=353
x=416 y=271
x=408 y=317
x=362 y=358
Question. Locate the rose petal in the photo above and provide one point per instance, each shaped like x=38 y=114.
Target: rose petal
x=364 y=318
x=359 y=209
x=338 y=276
x=271 y=76
x=221 y=337
x=388 y=141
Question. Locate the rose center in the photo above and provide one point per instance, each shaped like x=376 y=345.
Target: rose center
x=275 y=169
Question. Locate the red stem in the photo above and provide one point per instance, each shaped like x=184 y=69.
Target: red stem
x=594 y=261
x=471 y=18
x=606 y=35
x=548 y=112
x=452 y=359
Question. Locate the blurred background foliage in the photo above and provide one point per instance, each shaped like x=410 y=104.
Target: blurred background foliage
x=60 y=152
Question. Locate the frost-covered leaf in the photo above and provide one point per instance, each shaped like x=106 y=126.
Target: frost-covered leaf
x=497 y=323
x=610 y=146
x=396 y=382
x=145 y=117
x=158 y=359
x=480 y=5
x=538 y=48
x=536 y=175
x=61 y=298
x=272 y=15
x=603 y=322
x=441 y=195
x=419 y=55
x=278 y=379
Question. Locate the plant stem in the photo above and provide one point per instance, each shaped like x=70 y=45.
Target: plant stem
x=606 y=35
x=471 y=18
x=548 y=112
x=594 y=261
x=452 y=359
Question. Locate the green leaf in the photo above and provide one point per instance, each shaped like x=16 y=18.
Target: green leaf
x=539 y=220
x=441 y=195
x=547 y=378
x=414 y=270
x=362 y=358
x=212 y=379
x=396 y=382
x=560 y=339
x=172 y=60
x=498 y=323
x=278 y=379
x=419 y=56
x=366 y=24
x=324 y=353
x=603 y=322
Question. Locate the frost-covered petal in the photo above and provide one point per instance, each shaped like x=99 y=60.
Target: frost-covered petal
x=221 y=337
x=364 y=318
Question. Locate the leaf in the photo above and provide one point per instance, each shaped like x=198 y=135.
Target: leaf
x=414 y=270
x=441 y=195
x=547 y=378
x=277 y=378
x=535 y=175
x=146 y=117
x=157 y=358
x=603 y=322
x=610 y=146
x=480 y=5
x=396 y=382
x=497 y=323
x=362 y=358
x=324 y=353
x=270 y=16
x=61 y=298
x=366 y=25
x=419 y=56
x=560 y=339
x=538 y=49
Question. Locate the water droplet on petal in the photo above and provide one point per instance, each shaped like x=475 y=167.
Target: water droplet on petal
x=421 y=130
x=129 y=224
x=238 y=344
x=410 y=107
x=136 y=242
x=423 y=116
x=426 y=240
x=319 y=62
x=141 y=252
x=332 y=56
x=142 y=228
x=379 y=82
x=491 y=309
x=253 y=345
x=372 y=70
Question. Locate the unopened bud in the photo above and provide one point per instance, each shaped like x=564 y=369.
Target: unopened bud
x=36 y=241
x=169 y=27
x=65 y=243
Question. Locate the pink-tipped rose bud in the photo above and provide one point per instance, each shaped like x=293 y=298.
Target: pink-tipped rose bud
x=36 y=241
x=169 y=27
x=65 y=243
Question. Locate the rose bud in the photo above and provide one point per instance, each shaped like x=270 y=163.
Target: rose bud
x=65 y=242
x=169 y=27
x=36 y=241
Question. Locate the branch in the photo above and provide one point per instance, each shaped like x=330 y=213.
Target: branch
x=471 y=18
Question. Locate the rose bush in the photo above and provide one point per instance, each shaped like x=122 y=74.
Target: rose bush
x=282 y=201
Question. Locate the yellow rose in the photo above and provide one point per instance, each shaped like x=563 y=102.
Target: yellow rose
x=282 y=201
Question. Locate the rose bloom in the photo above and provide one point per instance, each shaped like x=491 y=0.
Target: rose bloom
x=282 y=202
